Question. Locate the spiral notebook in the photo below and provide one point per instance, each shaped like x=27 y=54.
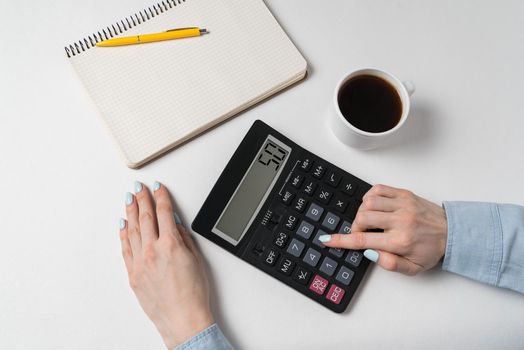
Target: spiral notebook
x=153 y=97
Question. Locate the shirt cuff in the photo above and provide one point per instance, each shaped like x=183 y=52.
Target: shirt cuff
x=474 y=245
x=210 y=338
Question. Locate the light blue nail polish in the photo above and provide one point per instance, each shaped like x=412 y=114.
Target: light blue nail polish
x=129 y=198
x=138 y=186
x=177 y=219
x=156 y=186
x=371 y=254
x=324 y=238
x=122 y=224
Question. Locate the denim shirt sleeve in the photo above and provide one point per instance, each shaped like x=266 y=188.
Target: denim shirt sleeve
x=210 y=338
x=486 y=243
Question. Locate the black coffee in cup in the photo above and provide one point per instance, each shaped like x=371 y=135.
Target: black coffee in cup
x=370 y=103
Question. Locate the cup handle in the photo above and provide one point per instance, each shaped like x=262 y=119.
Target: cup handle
x=410 y=87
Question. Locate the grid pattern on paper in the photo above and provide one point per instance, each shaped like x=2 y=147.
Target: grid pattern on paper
x=153 y=96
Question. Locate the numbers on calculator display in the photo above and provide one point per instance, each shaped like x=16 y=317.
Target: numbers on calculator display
x=272 y=154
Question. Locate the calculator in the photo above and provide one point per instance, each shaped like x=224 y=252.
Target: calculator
x=272 y=202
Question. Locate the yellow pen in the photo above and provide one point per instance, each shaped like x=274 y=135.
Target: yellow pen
x=149 y=38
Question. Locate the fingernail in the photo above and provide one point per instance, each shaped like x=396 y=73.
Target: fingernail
x=324 y=238
x=371 y=254
x=129 y=198
x=122 y=224
x=138 y=186
x=156 y=186
x=177 y=219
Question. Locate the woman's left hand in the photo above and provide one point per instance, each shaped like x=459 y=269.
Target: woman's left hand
x=165 y=269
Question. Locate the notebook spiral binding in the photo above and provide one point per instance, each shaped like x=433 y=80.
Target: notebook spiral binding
x=120 y=27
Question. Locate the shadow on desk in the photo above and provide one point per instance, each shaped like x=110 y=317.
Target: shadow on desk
x=419 y=131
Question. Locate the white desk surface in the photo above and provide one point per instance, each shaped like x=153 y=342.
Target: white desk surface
x=62 y=280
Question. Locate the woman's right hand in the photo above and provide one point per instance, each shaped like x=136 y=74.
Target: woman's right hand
x=165 y=269
x=415 y=230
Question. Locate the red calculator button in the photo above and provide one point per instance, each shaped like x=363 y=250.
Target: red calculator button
x=335 y=294
x=318 y=285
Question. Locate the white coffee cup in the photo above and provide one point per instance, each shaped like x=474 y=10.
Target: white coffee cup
x=360 y=139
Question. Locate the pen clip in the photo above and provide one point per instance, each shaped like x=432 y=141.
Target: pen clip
x=177 y=29
x=202 y=31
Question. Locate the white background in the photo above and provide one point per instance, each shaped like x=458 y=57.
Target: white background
x=62 y=281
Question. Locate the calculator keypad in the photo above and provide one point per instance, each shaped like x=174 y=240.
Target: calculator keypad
x=318 y=201
x=307 y=197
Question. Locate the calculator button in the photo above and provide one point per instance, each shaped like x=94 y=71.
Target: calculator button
x=296 y=180
x=344 y=275
x=340 y=202
x=338 y=252
x=281 y=239
x=305 y=229
x=349 y=186
x=305 y=165
x=335 y=294
x=328 y=266
x=314 y=212
x=330 y=221
x=295 y=247
x=302 y=275
x=345 y=228
x=300 y=204
x=310 y=187
x=319 y=171
x=324 y=195
x=286 y=266
x=290 y=222
x=333 y=179
x=316 y=241
x=271 y=257
x=318 y=285
x=354 y=258
x=287 y=197
x=312 y=257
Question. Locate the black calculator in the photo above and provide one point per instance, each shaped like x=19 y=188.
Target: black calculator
x=272 y=202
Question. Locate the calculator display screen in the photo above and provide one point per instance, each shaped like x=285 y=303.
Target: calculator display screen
x=252 y=191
